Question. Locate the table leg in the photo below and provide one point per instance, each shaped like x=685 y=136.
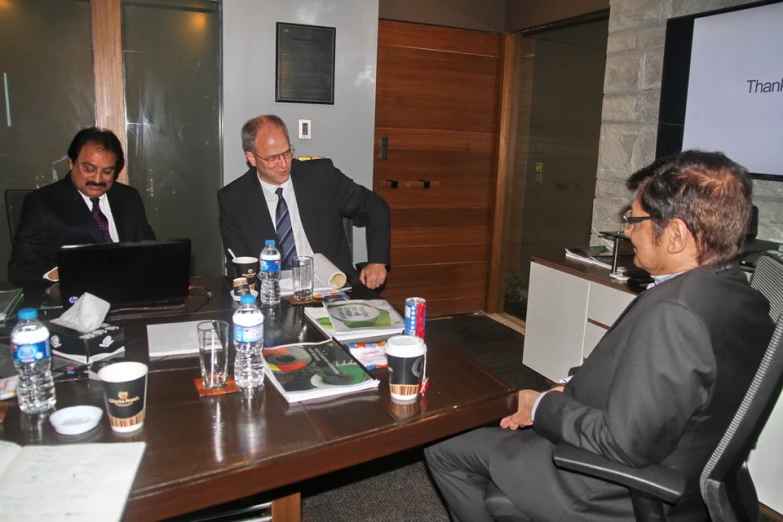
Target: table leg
x=287 y=509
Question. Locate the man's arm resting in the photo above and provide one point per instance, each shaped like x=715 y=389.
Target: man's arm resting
x=656 y=389
x=354 y=200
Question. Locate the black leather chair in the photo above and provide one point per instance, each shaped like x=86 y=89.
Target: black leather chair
x=725 y=483
x=14 y=198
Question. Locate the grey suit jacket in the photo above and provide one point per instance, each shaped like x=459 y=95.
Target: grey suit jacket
x=55 y=215
x=323 y=195
x=660 y=387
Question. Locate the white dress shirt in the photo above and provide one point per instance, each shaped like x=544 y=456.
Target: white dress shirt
x=303 y=247
x=103 y=204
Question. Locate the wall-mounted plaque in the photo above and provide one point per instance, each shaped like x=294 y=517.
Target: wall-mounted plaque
x=305 y=63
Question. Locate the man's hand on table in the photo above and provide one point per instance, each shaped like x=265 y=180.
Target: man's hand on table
x=524 y=415
x=373 y=275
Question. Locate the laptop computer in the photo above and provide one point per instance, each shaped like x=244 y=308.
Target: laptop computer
x=127 y=275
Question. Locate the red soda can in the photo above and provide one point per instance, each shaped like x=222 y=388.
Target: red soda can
x=415 y=316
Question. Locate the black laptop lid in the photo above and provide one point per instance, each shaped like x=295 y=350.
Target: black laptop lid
x=126 y=274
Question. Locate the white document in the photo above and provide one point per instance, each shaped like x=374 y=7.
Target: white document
x=84 y=482
x=172 y=338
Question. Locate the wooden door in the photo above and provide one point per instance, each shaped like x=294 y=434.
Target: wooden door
x=437 y=102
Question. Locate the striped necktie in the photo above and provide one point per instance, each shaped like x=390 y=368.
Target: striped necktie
x=285 y=232
x=100 y=218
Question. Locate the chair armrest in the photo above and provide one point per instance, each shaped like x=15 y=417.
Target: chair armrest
x=656 y=480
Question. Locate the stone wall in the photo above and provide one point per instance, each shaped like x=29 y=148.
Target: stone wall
x=632 y=84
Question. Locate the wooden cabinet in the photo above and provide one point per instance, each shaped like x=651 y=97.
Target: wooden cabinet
x=437 y=101
x=569 y=309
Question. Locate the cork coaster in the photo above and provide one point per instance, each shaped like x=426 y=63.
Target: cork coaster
x=230 y=387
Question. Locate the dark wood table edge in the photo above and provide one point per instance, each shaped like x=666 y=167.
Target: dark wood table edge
x=165 y=502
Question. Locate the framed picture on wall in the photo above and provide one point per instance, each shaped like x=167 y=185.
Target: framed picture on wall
x=304 y=69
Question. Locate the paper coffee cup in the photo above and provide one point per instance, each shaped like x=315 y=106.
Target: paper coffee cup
x=241 y=286
x=125 y=394
x=407 y=360
x=247 y=267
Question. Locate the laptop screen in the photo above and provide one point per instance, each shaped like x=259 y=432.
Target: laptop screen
x=126 y=274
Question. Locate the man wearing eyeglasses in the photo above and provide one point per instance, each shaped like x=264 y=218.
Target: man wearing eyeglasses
x=300 y=205
x=662 y=385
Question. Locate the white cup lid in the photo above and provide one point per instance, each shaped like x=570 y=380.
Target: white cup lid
x=405 y=346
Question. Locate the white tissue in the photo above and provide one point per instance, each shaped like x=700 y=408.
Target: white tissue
x=86 y=315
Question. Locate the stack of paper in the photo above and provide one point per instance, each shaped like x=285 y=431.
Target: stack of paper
x=356 y=319
x=88 y=482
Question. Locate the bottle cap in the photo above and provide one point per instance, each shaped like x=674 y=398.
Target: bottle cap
x=269 y=242
x=247 y=299
x=27 y=313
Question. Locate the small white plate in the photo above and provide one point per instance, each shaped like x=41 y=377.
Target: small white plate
x=76 y=419
x=237 y=297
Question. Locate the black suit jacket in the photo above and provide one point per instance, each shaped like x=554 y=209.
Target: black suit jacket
x=56 y=215
x=660 y=387
x=323 y=195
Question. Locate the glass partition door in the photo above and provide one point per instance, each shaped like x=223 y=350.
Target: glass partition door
x=47 y=93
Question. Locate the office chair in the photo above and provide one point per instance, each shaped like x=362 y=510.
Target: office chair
x=14 y=198
x=725 y=483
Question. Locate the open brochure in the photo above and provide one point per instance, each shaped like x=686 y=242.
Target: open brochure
x=326 y=278
x=356 y=319
x=311 y=370
x=87 y=482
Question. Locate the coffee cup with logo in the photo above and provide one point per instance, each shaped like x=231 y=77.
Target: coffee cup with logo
x=407 y=359
x=240 y=286
x=247 y=267
x=125 y=394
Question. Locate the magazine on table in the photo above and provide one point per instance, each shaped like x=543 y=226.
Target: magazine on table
x=356 y=319
x=302 y=371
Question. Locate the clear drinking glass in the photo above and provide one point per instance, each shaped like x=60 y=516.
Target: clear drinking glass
x=302 y=274
x=213 y=343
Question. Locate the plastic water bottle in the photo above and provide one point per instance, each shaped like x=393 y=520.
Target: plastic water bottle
x=249 y=344
x=33 y=361
x=269 y=293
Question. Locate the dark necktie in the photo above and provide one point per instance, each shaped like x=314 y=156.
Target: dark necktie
x=100 y=218
x=285 y=232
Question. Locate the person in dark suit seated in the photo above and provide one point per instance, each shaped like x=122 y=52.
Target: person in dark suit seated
x=86 y=206
x=662 y=385
x=300 y=205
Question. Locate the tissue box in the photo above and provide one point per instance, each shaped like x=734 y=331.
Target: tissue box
x=87 y=347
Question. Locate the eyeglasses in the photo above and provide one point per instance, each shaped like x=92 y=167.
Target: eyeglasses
x=631 y=220
x=277 y=157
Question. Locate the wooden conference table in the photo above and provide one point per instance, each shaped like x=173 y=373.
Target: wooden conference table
x=205 y=451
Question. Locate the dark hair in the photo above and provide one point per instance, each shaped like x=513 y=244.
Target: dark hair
x=706 y=190
x=251 y=127
x=104 y=139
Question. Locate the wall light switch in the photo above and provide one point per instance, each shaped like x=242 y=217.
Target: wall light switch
x=305 y=129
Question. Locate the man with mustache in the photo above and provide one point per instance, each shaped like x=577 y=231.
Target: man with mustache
x=86 y=206
x=300 y=205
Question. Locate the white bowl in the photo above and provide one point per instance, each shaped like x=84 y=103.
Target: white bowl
x=76 y=419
